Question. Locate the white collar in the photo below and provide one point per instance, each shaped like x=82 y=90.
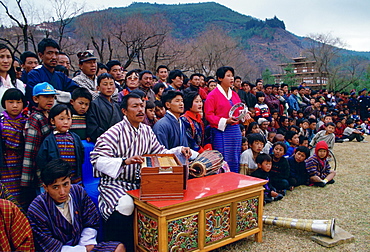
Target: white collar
x=229 y=92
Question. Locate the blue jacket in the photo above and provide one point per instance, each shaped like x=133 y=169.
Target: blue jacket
x=169 y=133
x=57 y=79
x=49 y=151
x=293 y=102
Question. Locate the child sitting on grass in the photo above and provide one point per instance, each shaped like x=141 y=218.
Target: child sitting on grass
x=264 y=163
x=280 y=170
x=298 y=173
x=326 y=135
x=318 y=166
x=351 y=133
x=248 y=164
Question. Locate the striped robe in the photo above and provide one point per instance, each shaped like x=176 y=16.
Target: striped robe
x=52 y=231
x=15 y=230
x=122 y=141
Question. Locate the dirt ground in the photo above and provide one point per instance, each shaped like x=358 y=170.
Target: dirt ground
x=347 y=200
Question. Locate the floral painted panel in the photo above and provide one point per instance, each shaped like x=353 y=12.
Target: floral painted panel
x=148 y=232
x=246 y=215
x=217 y=224
x=183 y=233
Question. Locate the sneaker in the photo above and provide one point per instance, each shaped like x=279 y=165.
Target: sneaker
x=346 y=140
x=364 y=141
x=331 y=181
x=320 y=184
x=279 y=197
x=268 y=199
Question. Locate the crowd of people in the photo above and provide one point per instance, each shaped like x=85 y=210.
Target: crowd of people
x=49 y=117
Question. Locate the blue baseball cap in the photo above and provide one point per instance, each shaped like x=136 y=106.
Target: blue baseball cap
x=43 y=88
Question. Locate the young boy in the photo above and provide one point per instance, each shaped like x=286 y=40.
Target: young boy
x=169 y=130
x=351 y=133
x=298 y=173
x=36 y=129
x=248 y=164
x=292 y=142
x=264 y=163
x=270 y=137
x=80 y=103
x=104 y=112
x=244 y=144
x=318 y=166
x=64 y=218
x=326 y=135
x=159 y=110
x=150 y=118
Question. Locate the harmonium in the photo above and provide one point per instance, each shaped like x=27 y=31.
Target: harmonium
x=163 y=177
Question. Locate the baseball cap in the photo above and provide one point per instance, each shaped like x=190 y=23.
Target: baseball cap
x=43 y=88
x=261 y=120
x=86 y=55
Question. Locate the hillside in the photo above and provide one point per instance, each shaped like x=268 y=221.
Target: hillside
x=266 y=43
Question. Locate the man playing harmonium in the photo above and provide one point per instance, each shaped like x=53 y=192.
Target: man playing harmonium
x=117 y=158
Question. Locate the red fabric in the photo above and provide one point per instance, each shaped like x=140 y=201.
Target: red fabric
x=15 y=230
x=217 y=106
x=319 y=146
x=339 y=131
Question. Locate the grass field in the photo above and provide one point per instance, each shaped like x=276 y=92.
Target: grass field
x=347 y=200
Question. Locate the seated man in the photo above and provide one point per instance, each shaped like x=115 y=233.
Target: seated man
x=116 y=158
x=64 y=218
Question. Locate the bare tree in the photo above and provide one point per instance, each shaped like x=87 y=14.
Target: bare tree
x=22 y=22
x=324 y=48
x=137 y=35
x=65 y=12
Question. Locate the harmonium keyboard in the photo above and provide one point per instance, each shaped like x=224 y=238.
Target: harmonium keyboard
x=163 y=177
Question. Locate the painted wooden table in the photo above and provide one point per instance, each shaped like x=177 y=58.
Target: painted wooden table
x=216 y=210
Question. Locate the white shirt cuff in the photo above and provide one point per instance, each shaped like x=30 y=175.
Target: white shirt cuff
x=88 y=237
x=222 y=124
x=109 y=165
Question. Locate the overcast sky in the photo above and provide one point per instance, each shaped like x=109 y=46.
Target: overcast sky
x=347 y=19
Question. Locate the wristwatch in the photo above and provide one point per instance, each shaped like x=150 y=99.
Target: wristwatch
x=124 y=161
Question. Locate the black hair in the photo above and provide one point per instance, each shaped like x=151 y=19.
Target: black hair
x=139 y=92
x=55 y=169
x=294 y=127
x=112 y=63
x=282 y=119
x=290 y=134
x=237 y=77
x=141 y=74
x=284 y=84
x=149 y=105
x=129 y=73
x=45 y=43
x=189 y=98
x=260 y=94
x=255 y=137
x=104 y=76
x=303 y=149
x=250 y=127
x=292 y=89
x=300 y=88
x=28 y=54
x=124 y=103
x=169 y=95
x=11 y=71
x=329 y=124
x=220 y=73
x=57 y=109
x=262 y=158
x=13 y=94
x=81 y=92
x=302 y=139
x=173 y=74
x=258 y=80
x=162 y=66
x=242 y=127
x=102 y=66
x=311 y=120
x=158 y=86
x=244 y=140
x=18 y=60
x=193 y=75
x=158 y=104
x=62 y=69
x=281 y=144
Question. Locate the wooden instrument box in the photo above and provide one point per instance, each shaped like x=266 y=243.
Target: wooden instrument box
x=163 y=177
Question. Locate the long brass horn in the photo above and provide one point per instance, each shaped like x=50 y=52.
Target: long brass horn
x=324 y=227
